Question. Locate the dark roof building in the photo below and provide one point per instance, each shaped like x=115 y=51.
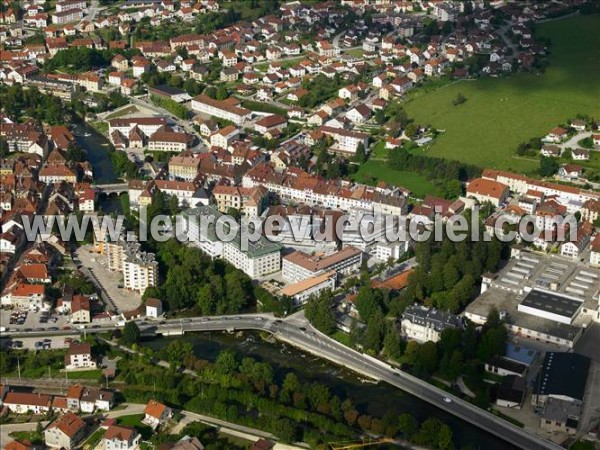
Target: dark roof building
x=563 y=376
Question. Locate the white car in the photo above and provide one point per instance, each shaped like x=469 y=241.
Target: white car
x=447 y=399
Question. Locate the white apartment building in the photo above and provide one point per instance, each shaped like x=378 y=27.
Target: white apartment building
x=223 y=109
x=70 y=15
x=257 y=260
x=299 y=266
x=67 y=5
x=140 y=271
x=200 y=232
x=345 y=141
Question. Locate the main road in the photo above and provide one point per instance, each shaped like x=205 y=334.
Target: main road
x=296 y=331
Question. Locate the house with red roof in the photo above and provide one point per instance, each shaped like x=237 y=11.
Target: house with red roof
x=156 y=414
x=65 y=432
x=120 y=438
x=484 y=190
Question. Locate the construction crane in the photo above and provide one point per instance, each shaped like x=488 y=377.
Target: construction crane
x=359 y=444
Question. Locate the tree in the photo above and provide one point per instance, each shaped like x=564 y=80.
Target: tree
x=177 y=351
x=445 y=438
x=427 y=358
x=206 y=300
x=407 y=425
x=459 y=100
x=222 y=93
x=4 y=150
x=226 y=363
x=411 y=130
x=493 y=342
x=391 y=344
x=319 y=313
x=548 y=166
x=131 y=333
x=361 y=154
x=375 y=330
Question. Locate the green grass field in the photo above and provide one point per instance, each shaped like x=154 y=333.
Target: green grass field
x=373 y=171
x=500 y=113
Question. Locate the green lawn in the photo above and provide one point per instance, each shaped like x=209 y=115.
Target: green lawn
x=500 y=113
x=373 y=171
x=135 y=421
x=85 y=374
x=131 y=109
x=94 y=439
x=263 y=107
x=342 y=337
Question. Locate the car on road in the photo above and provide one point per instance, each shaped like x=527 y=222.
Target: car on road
x=258 y=318
x=447 y=399
x=53 y=328
x=302 y=329
x=95 y=326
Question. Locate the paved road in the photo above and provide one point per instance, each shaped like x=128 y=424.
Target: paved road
x=6 y=429
x=295 y=331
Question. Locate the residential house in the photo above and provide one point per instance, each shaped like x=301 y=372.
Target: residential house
x=79 y=356
x=156 y=414
x=120 y=438
x=65 y=432
x=26 y=402
x=153 y=307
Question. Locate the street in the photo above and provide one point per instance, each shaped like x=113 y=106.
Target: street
x=296 y=331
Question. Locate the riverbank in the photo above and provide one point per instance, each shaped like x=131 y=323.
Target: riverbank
x=375 y=399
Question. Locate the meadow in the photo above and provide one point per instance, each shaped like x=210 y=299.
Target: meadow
x=500 y=113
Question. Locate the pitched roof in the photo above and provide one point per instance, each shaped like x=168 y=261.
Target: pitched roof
x=488 y=188
x=155 y=409
x=69 y=424
x=28 y=398
x=119 y=433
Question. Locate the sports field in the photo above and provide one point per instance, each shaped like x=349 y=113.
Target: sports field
x=500 y=113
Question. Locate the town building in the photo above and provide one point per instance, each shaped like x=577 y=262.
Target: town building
x=79 y=356
x=301 y=291
x=423 y=324
x=298 y=266
x=559 y=390
x=120 y=438
x=156 y=414
x=65 y=432
x=223 y=109
x=27 y=402
x=154 y=308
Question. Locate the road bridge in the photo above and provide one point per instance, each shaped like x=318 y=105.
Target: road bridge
x=297 y=332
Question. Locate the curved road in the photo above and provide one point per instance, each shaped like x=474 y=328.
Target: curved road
x=296 y=331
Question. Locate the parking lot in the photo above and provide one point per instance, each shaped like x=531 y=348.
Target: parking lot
x=94 y=266
x=31 y=320
x=37 y=343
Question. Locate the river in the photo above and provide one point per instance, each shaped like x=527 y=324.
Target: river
x=96 y=147
x=374 y=399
